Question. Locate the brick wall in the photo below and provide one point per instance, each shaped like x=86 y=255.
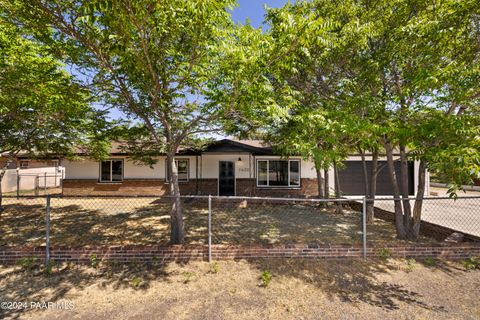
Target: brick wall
x=158 y=187
x=125 y=254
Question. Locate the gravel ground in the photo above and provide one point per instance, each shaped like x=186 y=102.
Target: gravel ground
x=299 y=289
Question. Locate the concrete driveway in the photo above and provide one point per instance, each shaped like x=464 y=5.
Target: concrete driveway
x=462 y=214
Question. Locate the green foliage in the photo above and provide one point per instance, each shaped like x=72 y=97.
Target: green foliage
x=471 y=263
x=188 y=276
x=136 y=282
x=266 y=278
x=384 y=254
x=410 y=265
x=48 y=269
x=94 y=262
x=43 y=110
x=429 y=262
x=27 y=263
x=214 y=267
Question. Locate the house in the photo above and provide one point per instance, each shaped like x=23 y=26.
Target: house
x=225 y=167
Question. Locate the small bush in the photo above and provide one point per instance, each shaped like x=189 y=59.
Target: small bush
x=27 y=263
x=429 y=262
x=384 y=254
x=266 y=278
x=94 y=261
x=136 y=282
x=471 y=263
x=188 y=276
x=410 y=265
x=49 y=268
x=214 y=268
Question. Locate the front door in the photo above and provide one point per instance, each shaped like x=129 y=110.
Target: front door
x=226 y=178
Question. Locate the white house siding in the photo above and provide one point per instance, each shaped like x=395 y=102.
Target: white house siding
x=81 y=169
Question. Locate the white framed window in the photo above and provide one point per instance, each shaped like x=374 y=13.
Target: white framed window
x=111 y=170
x=278 y=173
x=182 y=168
x=24 y=164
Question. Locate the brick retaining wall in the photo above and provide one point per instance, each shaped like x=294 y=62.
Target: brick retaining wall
x=145 y=254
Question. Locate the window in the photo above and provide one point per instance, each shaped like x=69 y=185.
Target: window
x=111 y=171
x=182 y=168
x=278 y=173
x=24 y=164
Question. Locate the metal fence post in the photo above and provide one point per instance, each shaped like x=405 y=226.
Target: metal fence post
x=364 y=227
x=47 y=232
x=209 y=228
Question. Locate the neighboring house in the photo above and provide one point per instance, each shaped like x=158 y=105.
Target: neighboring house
x=225 y=167
x=24 y=173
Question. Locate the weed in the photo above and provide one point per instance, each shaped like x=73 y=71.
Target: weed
x=136 y=282
x=410 y=265
x=429 y=262
x=471 y=263
x=94 y=261
x=384 y=254
x=188 y=276
x=27 y=263
x=214 y=268
x=49 y=268
x=266 y=278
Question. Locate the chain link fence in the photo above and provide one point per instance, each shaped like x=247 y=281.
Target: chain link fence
x=110 y=221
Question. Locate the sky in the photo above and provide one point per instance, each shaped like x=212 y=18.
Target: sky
x=254 y=10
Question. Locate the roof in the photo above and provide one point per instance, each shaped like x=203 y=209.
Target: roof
x=256 y=147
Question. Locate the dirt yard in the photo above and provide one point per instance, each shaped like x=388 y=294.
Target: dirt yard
x=119 y=221
x=298 y=289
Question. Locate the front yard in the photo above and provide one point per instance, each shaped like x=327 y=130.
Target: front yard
x=298 y=289
x=120 y=221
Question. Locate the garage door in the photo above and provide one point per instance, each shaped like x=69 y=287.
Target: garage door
x=352 y=182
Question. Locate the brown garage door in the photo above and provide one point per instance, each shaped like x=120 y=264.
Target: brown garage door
x=352 y=181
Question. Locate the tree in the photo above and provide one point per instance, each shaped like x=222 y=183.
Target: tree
x=157 y=61
x=42 y=110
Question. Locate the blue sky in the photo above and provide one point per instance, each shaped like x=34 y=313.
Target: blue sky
x=254 y=10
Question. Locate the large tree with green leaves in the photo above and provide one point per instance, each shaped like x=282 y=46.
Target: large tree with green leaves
x=43 y=111
x=157 y=61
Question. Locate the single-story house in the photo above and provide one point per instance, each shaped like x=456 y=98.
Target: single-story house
x=225 y=167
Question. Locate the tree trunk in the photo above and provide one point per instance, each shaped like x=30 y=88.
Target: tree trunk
x=2 y=174
x=326 y=178
x=319 y=181
x=339 y=207
x=401 y=232
x=407 y=209
x=373 y=188
x=417 y=208
x=366 y=184
x=176 y=212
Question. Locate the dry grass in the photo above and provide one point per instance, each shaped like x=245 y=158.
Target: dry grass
x=308 y=289
x=121 y=221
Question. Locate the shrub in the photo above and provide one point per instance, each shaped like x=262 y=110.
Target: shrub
x=471 y=263
x=214 y=268
x=94 y=261
x=27 y=263
x=266 y=278
x=136 y=282
x=49 y=268
x=384 y=254
x=429 y=262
